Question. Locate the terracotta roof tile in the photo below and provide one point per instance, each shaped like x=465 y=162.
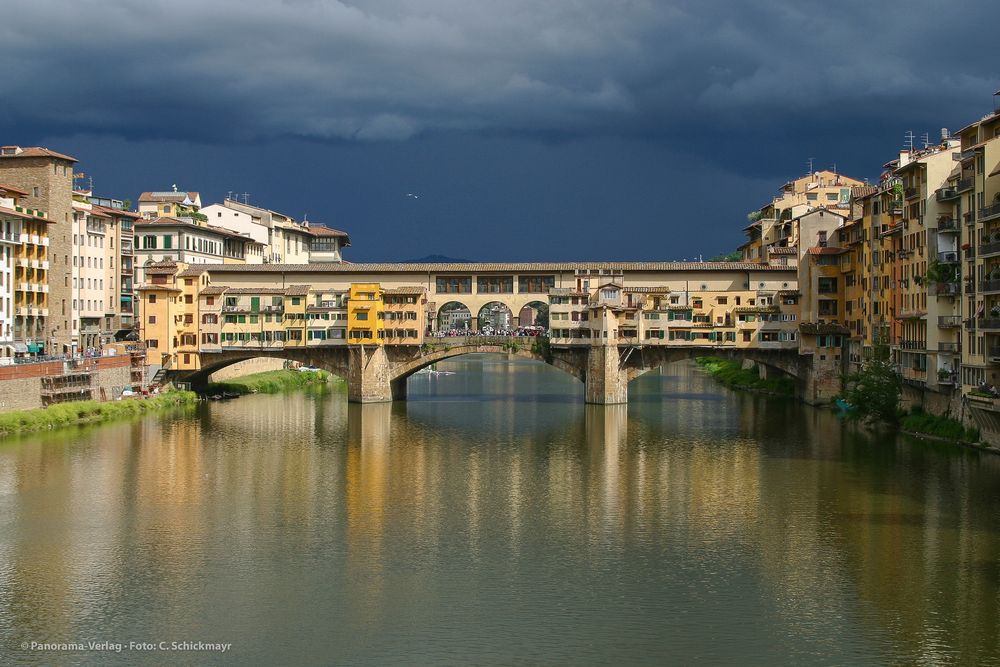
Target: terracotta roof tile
x=213 y=290
x=495 y=267
x=36 y=151
x=406 y=289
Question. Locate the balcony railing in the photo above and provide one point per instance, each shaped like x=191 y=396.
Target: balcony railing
x=946 y=194
x=990 y=323
x=991 y=211
x=944 y=289
x=910 y=193
x=965 y=184
x=949 y=321
x=948 y=257
x=912 y=345
x=990 y=285
x=947 y=225
x=994 y=354
x=948 y=347
x=989 y=248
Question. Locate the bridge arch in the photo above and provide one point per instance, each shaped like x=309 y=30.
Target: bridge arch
x=335 y=364
x=496 y=314
x=451 y=314
x=537 y=313
x=402 y=371
x=787 y=362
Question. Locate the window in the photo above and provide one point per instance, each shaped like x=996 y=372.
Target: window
x=152 y=343
x=152 y=319
x=454 y=284
x=152 y=299
x=827 y=286
x=535 y=284
x=168 y=242
x=495 y=284
x=362 y=317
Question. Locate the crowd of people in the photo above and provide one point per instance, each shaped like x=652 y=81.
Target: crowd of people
x=489 y=331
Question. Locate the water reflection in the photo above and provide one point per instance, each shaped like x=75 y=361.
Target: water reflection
x=472 y=524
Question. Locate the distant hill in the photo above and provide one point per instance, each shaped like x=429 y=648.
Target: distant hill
x=437 y=259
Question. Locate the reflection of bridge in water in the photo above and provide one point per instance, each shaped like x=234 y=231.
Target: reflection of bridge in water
x=379 y=373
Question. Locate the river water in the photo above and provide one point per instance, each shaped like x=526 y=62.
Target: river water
x=493 y=518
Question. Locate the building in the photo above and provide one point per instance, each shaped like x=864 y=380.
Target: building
x=365 y=314
x=773 y=225
x=43 y=318
x=187 y=241
x=23 y=275
x=169 y=204
x=282 y=238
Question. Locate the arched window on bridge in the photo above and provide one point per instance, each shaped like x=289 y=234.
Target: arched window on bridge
x=454 y=316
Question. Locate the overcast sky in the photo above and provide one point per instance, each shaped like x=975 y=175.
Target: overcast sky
x=559 y=130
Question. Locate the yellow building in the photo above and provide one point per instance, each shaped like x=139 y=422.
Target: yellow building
x=366 y=314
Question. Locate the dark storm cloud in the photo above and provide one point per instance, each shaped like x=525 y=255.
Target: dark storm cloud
x=232 y=70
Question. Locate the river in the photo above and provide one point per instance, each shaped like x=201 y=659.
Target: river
x=494 y=518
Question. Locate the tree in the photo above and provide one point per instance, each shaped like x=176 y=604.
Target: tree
x=734 y=256
x=876 y=388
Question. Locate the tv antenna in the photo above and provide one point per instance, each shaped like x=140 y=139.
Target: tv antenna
x=908 y=140
x=811 y=160
x=246 y=198
x=926 y=138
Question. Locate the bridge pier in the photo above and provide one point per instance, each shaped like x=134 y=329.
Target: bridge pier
x=606 y=382
x=369 y=375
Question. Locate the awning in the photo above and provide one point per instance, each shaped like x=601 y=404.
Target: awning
x=20 y=347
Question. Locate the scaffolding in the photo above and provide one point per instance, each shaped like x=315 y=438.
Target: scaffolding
x=75 y=385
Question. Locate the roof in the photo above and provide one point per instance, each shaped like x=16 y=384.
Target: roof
x=116 y=211
x=994 y=172
x=828 y=250
x=161 y=268
x=213 y=290
x=34 y=151
x=8 y=188
x=862 y=191
x=255 y=290
x=495 y=267
x=647 y=290
x=193 y=270
x=323 y=230
x=175 y=222
x=406 y=289
x=297 y=290
x=24 y=216
x=168 y=196
x=784 y=250
x=821 y=210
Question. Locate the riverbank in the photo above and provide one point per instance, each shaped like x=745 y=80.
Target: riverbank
x=76 y=413
x=732 y=374
x=270 y=382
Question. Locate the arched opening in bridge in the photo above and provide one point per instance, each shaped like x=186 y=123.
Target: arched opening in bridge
x=454 y=316
x=534 y=314
x=495 y=317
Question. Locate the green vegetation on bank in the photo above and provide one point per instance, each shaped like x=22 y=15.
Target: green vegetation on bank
x=876 y=389
x=271 y=382
x=732 y=374
x=85 y=412
x=945 y=427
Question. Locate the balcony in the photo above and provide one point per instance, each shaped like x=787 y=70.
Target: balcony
x=989 y=212
x=948 y=257
x=949 y=321
x=947 y=225
x=946 y=194
x=990 y=285
x=965 y=184
x=943 y=289
x=13 y=237
x=983 y=402
x=946 y=379
x=911 y=193
x=952 y=348
x=896 y=208
x=989 y=324
x=912 y=345
x=986 y=249
x=126 y=249
x=994 y=355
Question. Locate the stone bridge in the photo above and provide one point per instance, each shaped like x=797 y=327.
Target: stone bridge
x=379 y=373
